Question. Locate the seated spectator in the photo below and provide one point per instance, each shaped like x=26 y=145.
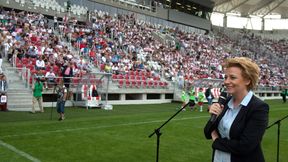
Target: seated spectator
x=40 y=64
x=32 y=52
x=50 y=79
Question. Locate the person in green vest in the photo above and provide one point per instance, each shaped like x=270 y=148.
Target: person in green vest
x=201 y=98
x=37 y=95
x=192 y=99
x=183 y=98
x=284 y=93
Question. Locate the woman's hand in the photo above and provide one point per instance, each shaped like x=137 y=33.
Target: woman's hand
x=216 y=109
x=214 y=135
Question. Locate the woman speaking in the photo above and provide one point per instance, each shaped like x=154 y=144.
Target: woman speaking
x=241 y=122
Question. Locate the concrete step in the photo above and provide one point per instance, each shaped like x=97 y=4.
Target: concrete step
x=23 y=109
x=19 y=99
x=19 y=106
x=13 y=89
x=24 y=101
x=19 y=86
x=13 y=78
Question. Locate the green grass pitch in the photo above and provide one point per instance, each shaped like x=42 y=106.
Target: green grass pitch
x=120 y=135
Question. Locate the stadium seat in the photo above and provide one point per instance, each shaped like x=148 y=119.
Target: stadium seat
x=144 y=84
x=155 y=84
x=156 y=78
x=75 y=81
x=138 y=78
x=19 y=65
x=133 y=83
x=127 y=83
x=120 y=76
x=150 y=84
x=161 y=84
x=120 y=83
x=127 y=76
x=33 y=61
x=138 y=83
x=24 y=61
x=132 y=77
x=114 y=77
x=137 y=73
x=165 y=85
x=131 y=72
x=56 y=69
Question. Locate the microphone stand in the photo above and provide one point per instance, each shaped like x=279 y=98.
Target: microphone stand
x=278 y=122
x=158 y=133
x=55 y=85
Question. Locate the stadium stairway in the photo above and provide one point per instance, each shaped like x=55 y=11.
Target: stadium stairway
x=19 y=96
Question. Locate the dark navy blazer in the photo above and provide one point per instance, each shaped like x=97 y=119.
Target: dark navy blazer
x=246 y=132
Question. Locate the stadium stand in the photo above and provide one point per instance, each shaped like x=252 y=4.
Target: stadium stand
x=135 y=52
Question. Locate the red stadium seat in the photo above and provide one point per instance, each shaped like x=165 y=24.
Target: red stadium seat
x=120 y=76
x=114 y=77
x=132 y=77
x=120 y=83
x=144 y=84
x=127 y=76
x=165 y=85
x=138 y=78
x=75 y=81
x=131 y=72
x=150 y=83
x=127 y=83
x=155 y=84
x=161 y=84
x=137 y=73
x=19 y=65
x=24 y=60
x=139 y=82
x=133 y=83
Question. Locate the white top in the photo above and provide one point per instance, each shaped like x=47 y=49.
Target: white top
x=40 y=63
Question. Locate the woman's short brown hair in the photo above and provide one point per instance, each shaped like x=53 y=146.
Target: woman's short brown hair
x=250 y=70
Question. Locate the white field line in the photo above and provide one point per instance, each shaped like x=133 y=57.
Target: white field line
x=19 y=152
x=97 y=127
x=33 y=159
x=109 y=126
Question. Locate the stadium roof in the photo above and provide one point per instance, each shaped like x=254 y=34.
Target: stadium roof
x=252 y=7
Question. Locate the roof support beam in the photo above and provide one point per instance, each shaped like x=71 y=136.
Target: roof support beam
x=236 y=5
x=221 y=2
x=260 y=6
x=271 y=8
x=230 y=6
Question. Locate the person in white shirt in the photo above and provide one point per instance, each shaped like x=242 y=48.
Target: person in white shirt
x=40 y=64
x=55 y=22
x=50 y=78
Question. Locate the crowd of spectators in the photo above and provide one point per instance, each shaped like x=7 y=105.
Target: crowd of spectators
x=30 y=42
x=120 y=44
x=270 y=54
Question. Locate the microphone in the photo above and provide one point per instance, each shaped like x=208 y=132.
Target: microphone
x=221 y=100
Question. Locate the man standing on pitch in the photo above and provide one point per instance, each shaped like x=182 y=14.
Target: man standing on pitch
x=61 y=99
